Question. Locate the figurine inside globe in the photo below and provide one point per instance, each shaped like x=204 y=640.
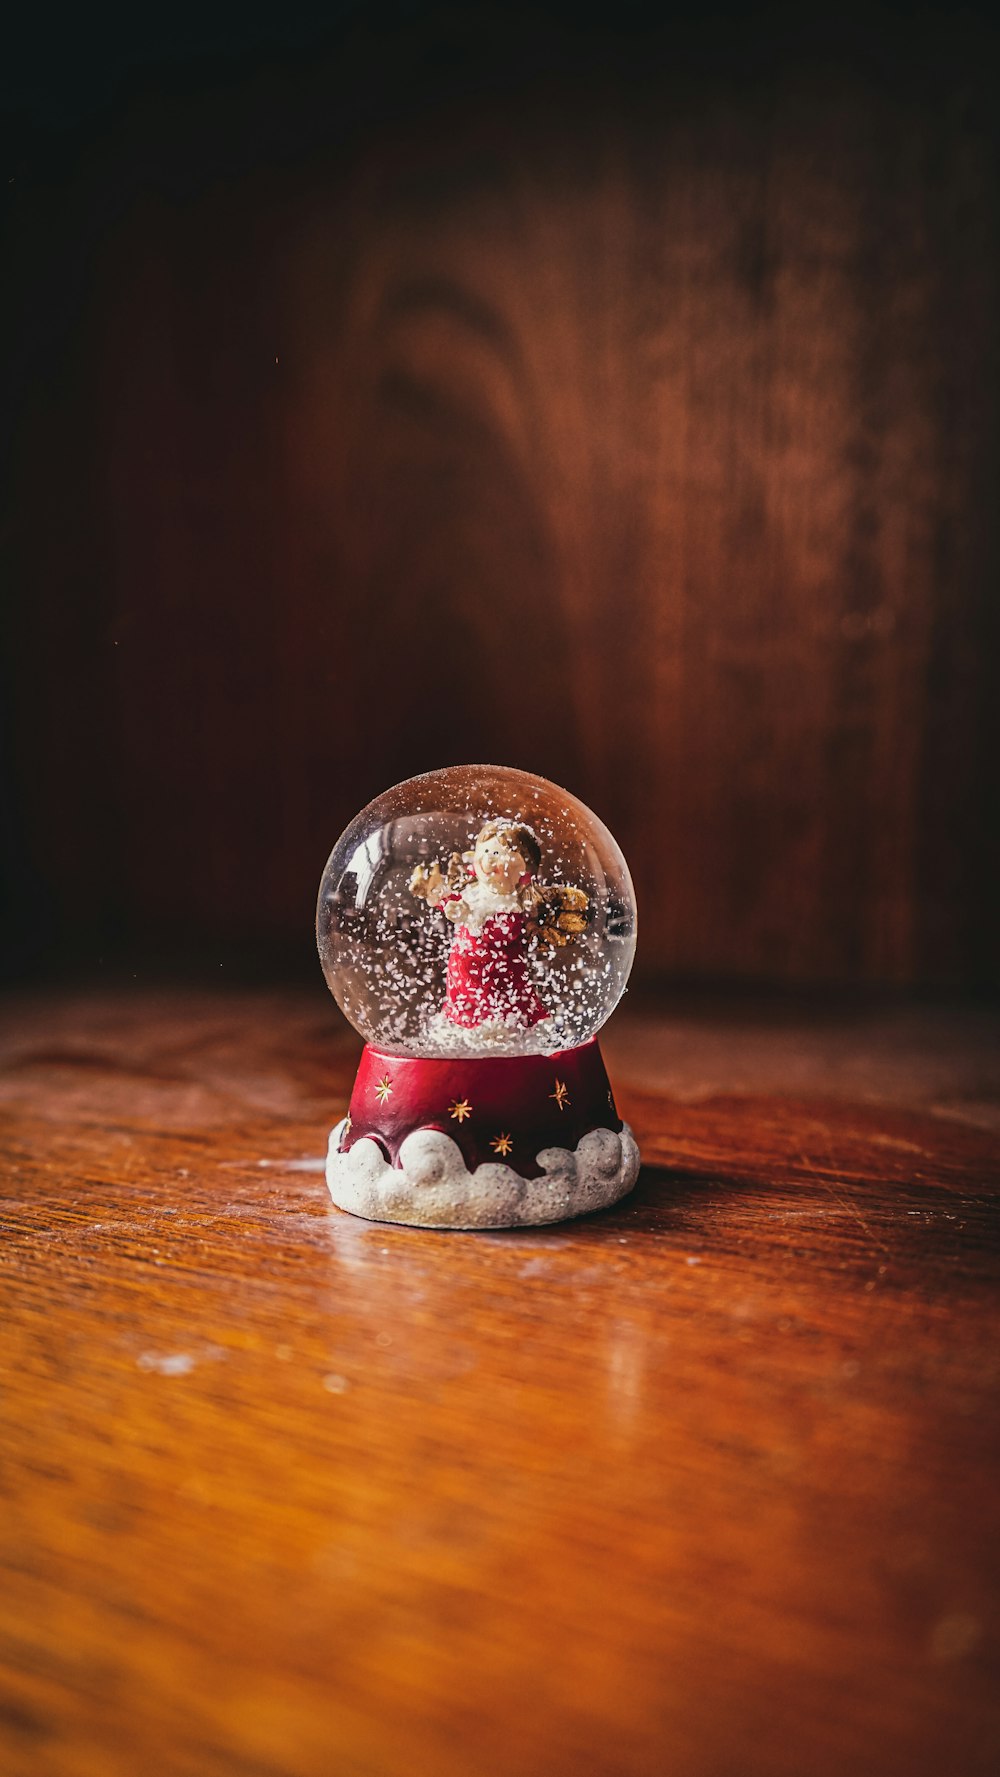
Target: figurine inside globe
x=476 y=925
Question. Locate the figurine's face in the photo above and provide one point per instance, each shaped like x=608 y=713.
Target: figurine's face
x=499 y=865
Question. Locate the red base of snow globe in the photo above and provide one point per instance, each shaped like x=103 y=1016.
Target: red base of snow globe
x=481 y=1141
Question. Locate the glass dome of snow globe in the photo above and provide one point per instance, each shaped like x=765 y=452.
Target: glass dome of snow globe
x=476 y=910
x=477 y=928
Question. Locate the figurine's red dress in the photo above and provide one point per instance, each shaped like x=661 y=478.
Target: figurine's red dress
x=488 y=976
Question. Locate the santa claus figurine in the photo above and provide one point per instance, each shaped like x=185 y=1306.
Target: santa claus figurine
x=490 y=894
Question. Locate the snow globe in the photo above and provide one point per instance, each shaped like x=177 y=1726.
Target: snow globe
x=476 y=925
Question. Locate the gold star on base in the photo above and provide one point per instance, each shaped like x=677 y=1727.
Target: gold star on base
x=383 y=1089
x=502 y=1145
x=461 y=1109
x=561 y=1094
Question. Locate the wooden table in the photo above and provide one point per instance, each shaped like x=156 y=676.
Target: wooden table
x=704 y=1484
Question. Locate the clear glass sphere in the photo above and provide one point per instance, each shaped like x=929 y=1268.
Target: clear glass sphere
x=475 y=911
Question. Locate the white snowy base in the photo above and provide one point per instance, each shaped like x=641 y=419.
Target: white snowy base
x=433 y=1188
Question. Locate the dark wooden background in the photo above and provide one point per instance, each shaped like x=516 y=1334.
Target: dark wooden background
x=620 y=403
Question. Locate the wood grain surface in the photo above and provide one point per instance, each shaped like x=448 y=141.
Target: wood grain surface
x=704 y=1484
x=622 y=414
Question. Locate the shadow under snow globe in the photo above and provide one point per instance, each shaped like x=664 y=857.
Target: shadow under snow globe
x=477 y=927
